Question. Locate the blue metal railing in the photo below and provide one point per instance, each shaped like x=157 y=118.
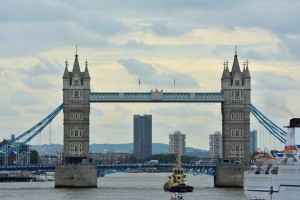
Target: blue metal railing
x=269 y=125
x=13 y=144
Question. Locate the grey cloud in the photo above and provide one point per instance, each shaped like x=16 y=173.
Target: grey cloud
x=162 y=28
x=274 y=82
x=24 y=98
x=133 y=44
x=117 y=125
x=33 y=10
x=37 y=83
x=103 y=25
x=179 y=111
x=45 y=67
x=96 y=112
x=136 y=67
x=8 y=111
x=149 y=76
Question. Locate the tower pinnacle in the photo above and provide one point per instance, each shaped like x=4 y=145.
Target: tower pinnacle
x=76 y=51
x=235 y=50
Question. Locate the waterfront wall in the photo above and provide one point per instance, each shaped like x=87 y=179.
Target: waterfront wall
x=230 y=176
x=76 y=176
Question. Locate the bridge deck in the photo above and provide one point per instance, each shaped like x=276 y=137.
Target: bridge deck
x=157 y=97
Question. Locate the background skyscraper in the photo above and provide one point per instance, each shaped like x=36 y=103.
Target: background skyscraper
x=253 y=141
x=215 y=145
x=142 y=135
x=177 y=143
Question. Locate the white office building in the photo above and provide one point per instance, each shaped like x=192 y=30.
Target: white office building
x=215 y=145
x=177 y=143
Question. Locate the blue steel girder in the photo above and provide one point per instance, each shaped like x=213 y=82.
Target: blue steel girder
x=198 y=168
x=26 y=167
x=157 y=97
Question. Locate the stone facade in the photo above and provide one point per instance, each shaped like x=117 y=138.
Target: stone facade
x=230 y=176
x=76 y=95
x=236 y=87
x=76 y=176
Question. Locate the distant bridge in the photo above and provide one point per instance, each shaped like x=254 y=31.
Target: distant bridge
x=207 y=169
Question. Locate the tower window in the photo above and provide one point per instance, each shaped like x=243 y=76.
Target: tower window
x=236 y=82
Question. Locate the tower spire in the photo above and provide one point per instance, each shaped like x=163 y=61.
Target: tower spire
x=235 y=51
x=76 y=51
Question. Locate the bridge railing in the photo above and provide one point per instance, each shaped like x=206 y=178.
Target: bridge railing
x=272 y=128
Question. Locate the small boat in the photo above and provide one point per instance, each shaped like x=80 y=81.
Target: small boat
x=177 y=196
x=177 y=181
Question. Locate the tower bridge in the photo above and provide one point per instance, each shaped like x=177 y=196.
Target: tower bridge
x=234 y=97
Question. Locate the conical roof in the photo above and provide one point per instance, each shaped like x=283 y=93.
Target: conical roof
x=66 y=73
x=235 y=66
x=247 y=73
x=76 y=67
x=226 y=73
x=86 y=73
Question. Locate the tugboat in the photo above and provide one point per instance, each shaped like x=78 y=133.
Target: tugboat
x=177 y=182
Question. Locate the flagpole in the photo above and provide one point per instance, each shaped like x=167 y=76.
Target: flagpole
x=174 y=84
x=139 y=87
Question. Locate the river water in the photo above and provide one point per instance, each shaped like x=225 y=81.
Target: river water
x=133 y=186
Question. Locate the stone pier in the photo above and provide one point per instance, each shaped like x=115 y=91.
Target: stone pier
x=230 y=176
x=76 y=176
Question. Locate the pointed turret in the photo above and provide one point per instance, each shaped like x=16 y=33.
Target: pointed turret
x=235 y=66
x=226 y=73
x=247 y=73
x=66 y=73
x=86 y=71
x=76 y=67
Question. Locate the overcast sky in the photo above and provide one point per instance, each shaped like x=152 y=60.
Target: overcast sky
x=154 y=40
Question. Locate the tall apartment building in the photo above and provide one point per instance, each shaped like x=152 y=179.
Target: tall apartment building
x=177 y=143
x=215 y=145
x=253 y=141
x=142 y=136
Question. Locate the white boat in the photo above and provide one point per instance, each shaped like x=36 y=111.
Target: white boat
x=177 y=196
x=278 y=177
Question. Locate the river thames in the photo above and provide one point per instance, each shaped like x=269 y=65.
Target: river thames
x=133 y=186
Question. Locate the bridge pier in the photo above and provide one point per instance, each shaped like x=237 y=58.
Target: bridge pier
x=76 y=176
x=230 y=176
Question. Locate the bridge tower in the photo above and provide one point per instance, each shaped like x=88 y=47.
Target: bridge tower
x=76 y=172
x=236 y=87
x=76 y=96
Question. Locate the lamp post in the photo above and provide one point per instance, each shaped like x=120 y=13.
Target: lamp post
x=271 y=192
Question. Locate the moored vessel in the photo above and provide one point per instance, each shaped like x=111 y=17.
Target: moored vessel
x=278 y=177
x=177 y=182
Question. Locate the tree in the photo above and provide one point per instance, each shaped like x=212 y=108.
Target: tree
x=34 y=157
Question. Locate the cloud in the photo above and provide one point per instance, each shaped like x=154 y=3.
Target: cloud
x=38 y=83
x=96 y=112
x=133 y=44
x=179 y=111
x=23 y=98
x=8 y=111
x=163 y=29
x=149 y=76
x=44 y=67
x=274 y=82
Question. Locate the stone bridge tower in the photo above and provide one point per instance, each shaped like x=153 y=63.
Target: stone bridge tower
x=236 y=87
x=76 y=171
x=76 y=96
